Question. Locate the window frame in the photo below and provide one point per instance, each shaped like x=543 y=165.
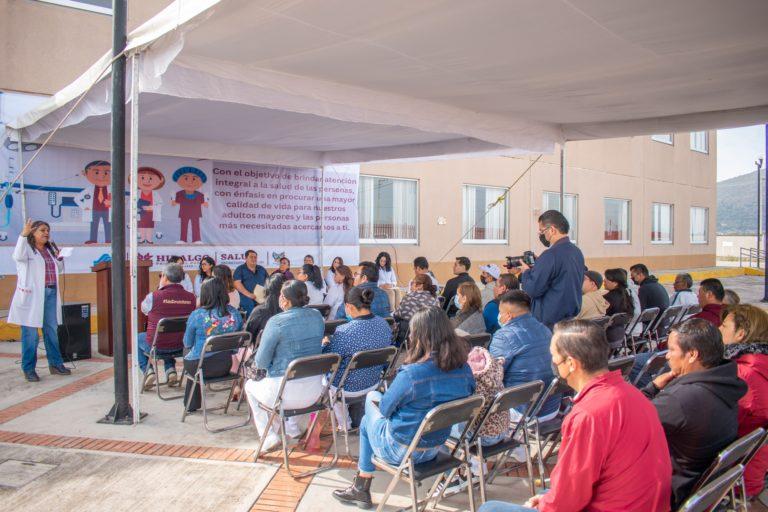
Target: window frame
x=671 y=240
x=75 y=4
x=575 y=224
x=670 y=142
x=465 y=229
x=628 y=240
x=704 y=151
x=393 y=241
x=706 y=225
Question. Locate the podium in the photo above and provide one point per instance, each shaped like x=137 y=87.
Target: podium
x=104 y=302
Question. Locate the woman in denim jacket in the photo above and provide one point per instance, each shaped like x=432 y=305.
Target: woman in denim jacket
x=296 y=332
x=435 y=372
x=214 y=316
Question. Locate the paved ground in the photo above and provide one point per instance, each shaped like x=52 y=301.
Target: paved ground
x=749 y=288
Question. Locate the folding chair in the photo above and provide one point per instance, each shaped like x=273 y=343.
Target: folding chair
x=397 y=362
x=622 y=363
x=523 y=395
x=663 y=322
x=548 y=430
x=176 y=324
x=745 y=462
x=651 y=366
x=383 y=357
x=324 y=309
x=331 y=325
x=707 y=497
x=601 y=321
x=646 y=319
x=441 y=417
x=693 y=309
x=230 y=342
x=615 y=332
x=301 y=368
x=482 y=339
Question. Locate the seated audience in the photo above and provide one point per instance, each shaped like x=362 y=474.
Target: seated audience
x=224 y=273
x=423 y=294
x=651 y=293
x=296 y=332
x=170 y=299
x=618 y=297
x=368 y=277
x=186 y=282
x=460 y=269
x=683 y=295
x=214 y=316
x=697 y=402
x=364 y=332
x=284 y=269
x=505 y=283
x=205 y=272
x=711 y=295
x=343 y=281
x=309 y=260
x=731 y=298
x=490 y=274
x=387 y=276
x=469 y=317
x=603 y=464
x=745 y=334
x=435 y=372
x=310 y=276
x=523 y=342
x=330 y=276
x=261 y=314
x=421 y=266
x=593 y=303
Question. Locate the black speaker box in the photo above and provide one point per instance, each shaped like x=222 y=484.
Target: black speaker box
x=75 y=332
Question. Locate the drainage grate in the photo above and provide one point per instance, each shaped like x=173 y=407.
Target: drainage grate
x=18 y=473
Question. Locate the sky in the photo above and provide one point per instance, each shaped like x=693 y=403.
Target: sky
x=737 y=150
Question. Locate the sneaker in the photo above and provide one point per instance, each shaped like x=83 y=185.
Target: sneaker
x=518 y=454
x=173 y=378
x=455 y=486
x=270 y=442
x=59 y=370
x=31 y=376
x=149 y=379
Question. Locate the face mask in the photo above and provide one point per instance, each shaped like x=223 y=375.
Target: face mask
x=483 y=280
x=349 y=318
x=500 y=321
x=556 y=373
x=543 y=240
x=456 y=301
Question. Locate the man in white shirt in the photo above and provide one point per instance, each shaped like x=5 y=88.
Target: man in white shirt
x=421 y=266
x=683 y=295
x=490 y=274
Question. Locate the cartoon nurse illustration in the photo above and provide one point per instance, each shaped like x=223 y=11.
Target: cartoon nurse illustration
x=96 y=202
x=190 y=201
x=149 y=204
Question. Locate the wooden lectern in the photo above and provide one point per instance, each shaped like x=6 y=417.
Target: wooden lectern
x=104 y=301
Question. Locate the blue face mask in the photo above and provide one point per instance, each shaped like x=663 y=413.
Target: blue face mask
x=349 y=318
x=456 y=302
x=498 y=319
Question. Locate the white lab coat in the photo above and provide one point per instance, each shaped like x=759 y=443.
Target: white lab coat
x=84 y=201
x=29 y=298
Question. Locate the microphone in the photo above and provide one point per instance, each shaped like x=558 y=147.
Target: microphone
x=54 y=247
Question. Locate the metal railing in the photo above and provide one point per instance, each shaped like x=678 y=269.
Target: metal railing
x=754 y=257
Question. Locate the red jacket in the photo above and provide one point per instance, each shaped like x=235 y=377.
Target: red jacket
x=613 y=455
x=753 y=407
x=711 y=313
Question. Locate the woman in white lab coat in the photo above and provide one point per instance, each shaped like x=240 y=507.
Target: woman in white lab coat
x=36 y=302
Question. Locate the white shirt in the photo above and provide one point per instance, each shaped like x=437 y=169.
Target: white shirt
x=387 y=276
x=684 y=298
x=187 y=284
x=335 y=298
x=315 y=296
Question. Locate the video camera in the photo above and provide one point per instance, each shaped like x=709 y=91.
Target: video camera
x=528 y=257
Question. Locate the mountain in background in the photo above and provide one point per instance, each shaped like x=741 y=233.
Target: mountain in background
x=737 y=204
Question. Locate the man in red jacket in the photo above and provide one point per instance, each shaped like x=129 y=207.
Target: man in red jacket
x=613 y=454
x=711 y=295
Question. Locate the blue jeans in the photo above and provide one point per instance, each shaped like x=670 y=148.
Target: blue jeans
x=29 y=337
x=376 y=440
x=458 y=428
x=144 y=348
x=500 y=506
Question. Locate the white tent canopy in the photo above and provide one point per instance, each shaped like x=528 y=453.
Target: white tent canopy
x=309 y=83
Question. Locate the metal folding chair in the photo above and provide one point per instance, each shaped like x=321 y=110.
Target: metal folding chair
x=548 y=430
x=331 y=325
x=615 y=332
x=441 y=417
x=692 y=309
x=651 y=366
x=601 y=321
x=482 y=339
x=622 y=363
x=383 y=357
x=745 y=461
x=324 y=309
x=230 y=342
x=176 y=324
x=301 y=368
x=646 y=319
x=707 y=497
x=660 y=328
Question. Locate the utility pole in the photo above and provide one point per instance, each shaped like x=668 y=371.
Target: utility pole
x=759 y=164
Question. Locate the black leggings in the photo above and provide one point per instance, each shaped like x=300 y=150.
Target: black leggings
x=218 y=365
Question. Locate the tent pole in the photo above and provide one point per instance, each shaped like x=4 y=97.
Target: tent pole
x=765 y=224
x=322 y=216
x=20 y=150
x=121 y=412
x=134 y=244
x=562 y=178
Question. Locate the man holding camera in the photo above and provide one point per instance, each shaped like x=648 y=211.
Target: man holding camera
x=554 y=283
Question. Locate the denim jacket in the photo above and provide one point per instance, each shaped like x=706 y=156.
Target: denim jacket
x=203 y=323
x=524 y=344
x=417 y=388
x=289 y=335
x=380 y=305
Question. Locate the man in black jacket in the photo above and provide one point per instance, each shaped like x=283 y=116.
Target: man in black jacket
x=697 y=402
x=651 y=293
x=460 y=269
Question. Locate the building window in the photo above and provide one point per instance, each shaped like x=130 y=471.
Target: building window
x=387 y=209
x=551 y=201
x=700 y=142
x=479 y=226
x=699 y=225
x=665 y=138
x=100 y=6
x=661 y=223
x=618 y=214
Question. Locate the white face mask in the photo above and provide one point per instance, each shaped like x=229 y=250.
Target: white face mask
x=501 y=322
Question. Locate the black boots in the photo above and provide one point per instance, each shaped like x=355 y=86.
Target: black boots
x=359 y=493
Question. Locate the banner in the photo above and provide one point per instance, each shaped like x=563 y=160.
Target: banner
x=185 y=207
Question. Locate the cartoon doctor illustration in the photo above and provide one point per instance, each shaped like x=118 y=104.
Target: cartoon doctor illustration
x=190 y=201
x=96 y=203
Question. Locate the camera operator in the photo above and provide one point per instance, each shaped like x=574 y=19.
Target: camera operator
x=554 y=283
